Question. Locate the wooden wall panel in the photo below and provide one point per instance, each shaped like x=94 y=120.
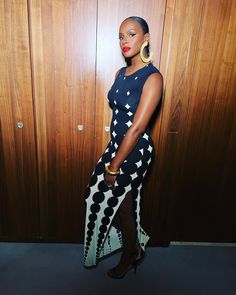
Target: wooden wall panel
x=58 y=62
x=213 y=109
x=196 y=168
x=18 y=174
x=63 y=40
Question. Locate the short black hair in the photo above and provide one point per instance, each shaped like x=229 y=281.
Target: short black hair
x=141 y=21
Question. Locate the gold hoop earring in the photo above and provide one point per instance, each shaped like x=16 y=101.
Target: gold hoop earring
x=144 y=58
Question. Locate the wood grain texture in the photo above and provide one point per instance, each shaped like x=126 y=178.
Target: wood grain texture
x=18 y=174
x=196 y=168
x=58 y=61
x=63 y=35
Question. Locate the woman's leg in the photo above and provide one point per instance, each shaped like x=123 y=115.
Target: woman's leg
x=127 y=225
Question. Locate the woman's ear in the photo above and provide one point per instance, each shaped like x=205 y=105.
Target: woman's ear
x=147 y=37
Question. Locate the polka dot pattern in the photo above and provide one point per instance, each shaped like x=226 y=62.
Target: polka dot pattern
x=100 y=236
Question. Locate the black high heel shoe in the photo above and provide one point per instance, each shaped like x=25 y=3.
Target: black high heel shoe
x=112 y=272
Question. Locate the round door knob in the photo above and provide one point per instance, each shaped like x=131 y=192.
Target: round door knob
x=107 y=128
x=20 y=124
x=80 y=127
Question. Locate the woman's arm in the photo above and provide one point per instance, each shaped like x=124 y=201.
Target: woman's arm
x=151 y=95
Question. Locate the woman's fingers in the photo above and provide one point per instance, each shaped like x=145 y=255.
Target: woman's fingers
x=109 y=180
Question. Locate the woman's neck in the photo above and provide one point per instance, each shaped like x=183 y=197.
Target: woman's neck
x=136 y=62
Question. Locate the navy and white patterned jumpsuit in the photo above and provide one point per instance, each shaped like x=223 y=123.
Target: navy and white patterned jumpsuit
x=101 y=237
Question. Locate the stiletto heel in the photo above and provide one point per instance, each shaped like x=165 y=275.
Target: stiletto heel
x=112 y=272
x=138 y=257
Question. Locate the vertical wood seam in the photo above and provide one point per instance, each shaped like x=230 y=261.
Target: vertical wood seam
x=158 y=159
x=95 y=85
x=34 y=116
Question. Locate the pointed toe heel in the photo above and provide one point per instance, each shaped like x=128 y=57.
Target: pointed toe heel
x=112 y=272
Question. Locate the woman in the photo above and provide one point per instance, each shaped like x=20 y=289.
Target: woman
x=113 y=194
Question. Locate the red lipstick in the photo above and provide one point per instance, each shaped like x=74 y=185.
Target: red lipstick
x=125 y=49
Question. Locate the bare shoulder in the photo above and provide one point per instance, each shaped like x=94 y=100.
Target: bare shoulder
x=155 y=80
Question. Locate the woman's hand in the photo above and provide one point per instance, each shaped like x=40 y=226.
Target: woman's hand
x=110 y=180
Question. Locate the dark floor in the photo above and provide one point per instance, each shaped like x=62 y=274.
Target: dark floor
x=33 y=268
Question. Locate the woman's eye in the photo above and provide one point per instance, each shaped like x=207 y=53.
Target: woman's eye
x=131 y=34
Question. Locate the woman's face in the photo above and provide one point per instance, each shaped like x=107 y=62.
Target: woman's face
x=131 y=37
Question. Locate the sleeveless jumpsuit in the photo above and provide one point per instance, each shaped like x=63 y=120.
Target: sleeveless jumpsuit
x=101 y=237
